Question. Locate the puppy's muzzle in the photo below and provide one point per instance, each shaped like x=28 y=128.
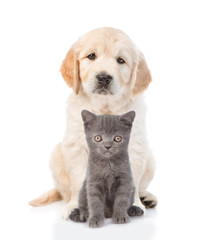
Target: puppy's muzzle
x=104 y=79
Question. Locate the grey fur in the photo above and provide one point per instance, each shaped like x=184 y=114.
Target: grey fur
x=108 y=190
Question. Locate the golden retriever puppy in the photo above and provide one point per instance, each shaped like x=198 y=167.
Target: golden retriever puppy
x=108 y=75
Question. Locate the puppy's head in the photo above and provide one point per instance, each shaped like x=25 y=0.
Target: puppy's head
x=105 y=62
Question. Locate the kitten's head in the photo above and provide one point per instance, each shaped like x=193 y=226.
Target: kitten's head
x=107 y=135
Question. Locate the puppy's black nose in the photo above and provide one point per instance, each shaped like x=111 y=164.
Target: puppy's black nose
x=104 y=79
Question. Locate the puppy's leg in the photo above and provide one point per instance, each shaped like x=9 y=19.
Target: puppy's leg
x=147 y=198
x=75 y=162
x=59 y=173
x=76 y=183
x=137 y=160
x=81 y=214
x=138 y=202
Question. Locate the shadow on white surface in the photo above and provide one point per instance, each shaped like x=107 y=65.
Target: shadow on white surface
x=47 y=223
x=143 y=226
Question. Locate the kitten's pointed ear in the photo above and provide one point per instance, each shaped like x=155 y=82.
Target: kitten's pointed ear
x=128 y=118
x=88 y=117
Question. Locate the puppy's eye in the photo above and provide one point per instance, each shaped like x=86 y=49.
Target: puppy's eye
x=98 y=138
x=91 y=56
x=120 y=60
x=118 y=139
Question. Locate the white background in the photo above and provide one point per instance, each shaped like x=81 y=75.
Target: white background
x=176 y=39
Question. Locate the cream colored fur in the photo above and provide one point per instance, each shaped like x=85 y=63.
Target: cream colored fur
x=69 y=158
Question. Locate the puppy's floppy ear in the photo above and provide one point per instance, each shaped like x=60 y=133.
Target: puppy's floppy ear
x=128 y=118
x=70 y=69
x=88 y=117
x=141 y=76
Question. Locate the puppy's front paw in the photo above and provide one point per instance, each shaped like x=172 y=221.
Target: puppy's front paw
x=148 y=199
x=95 y=221
x=120 y=218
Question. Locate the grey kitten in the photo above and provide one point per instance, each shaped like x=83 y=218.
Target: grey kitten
x=108 y=190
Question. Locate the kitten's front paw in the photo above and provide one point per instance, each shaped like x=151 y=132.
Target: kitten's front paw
x=84 y=216
x=78 y=215
x=68 y=208
x=95 y=222
x=75 y=215
x=135 y=211
x=121 y=218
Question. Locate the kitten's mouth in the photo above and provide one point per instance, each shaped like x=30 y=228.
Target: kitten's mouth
x=108 y=153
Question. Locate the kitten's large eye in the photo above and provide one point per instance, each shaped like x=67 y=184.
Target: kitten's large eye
x=91 y=56
x=98 y=138
x=118 y=139
x=120 y=60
